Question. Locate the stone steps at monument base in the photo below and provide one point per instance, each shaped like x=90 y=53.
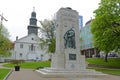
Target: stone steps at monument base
x=49 y=70
x=69 y=73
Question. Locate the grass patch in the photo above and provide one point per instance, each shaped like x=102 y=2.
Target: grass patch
x=112 y=62
x=3 y=73
x=109 y=71
x=31 y=65
x=100 y=62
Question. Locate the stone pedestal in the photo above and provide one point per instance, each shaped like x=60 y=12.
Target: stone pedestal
x=62 y=61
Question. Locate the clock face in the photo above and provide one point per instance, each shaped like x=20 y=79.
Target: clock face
x=33 y=22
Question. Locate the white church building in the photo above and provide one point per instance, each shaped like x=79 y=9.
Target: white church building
x=28 y=47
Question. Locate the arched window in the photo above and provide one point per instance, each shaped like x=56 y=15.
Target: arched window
x=20 y=54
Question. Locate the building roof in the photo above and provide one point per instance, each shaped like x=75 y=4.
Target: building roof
x=31 y=38
x=88 y=22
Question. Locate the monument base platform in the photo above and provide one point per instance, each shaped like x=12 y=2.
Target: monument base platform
x=48 y=72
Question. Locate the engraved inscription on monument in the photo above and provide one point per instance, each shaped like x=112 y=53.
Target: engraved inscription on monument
x=72 y=56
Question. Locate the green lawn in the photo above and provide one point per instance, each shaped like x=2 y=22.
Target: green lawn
x=31 y=65
x=3 y=73
x=112 y=62
x=109 y=71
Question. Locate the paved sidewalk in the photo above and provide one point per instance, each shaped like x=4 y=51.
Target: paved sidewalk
x=1 y=66
x=29 y=74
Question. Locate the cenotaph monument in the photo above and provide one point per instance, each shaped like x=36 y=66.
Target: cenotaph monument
x=67 y=55
x=67 y=59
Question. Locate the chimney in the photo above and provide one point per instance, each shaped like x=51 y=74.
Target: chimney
x=16 y=38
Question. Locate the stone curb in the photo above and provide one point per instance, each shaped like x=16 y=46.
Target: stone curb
x=8 y=74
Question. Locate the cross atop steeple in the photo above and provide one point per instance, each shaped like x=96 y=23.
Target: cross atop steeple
x=33 y=9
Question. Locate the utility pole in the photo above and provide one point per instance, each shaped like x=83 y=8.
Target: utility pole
x=2 y=18
x=1 y=22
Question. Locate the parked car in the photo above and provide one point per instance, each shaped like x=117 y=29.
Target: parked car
x=113 y=55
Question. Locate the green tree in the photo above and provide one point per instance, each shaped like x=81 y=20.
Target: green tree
x=5 y=43
x=47 y=40
x=106 y=26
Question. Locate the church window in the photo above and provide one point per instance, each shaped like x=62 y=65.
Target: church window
x=32 y=38
x=20 y=54
x=21 y=45
x=32 y=47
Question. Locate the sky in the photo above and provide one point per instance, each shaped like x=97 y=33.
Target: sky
x=18 y=12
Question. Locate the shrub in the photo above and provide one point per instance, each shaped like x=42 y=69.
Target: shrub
x=17 y=62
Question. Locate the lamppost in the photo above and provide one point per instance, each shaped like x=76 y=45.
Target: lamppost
x=15 y=54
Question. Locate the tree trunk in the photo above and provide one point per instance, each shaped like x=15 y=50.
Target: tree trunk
x=106 y=57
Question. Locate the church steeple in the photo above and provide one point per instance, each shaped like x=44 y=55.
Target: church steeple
x=32 y=28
